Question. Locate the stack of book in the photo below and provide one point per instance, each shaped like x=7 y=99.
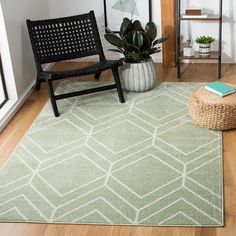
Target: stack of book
x=220 y=88
x=194 y=13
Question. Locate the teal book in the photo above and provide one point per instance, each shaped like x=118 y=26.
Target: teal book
x=220 y=88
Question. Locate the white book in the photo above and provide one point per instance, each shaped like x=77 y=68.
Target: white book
x=195 y=16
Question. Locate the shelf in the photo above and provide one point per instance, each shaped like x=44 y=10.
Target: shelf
x=197 y=56
x=209 y=18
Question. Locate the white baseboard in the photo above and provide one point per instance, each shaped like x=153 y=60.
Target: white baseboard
x=12 y=106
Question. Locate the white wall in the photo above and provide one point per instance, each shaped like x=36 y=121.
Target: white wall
x=205 y=28
x=17 y=57
x=72 y=7
x=15 y=13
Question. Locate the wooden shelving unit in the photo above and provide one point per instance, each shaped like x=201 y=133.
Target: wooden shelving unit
x=209 y=18
x=213 y=55
x=197 y=56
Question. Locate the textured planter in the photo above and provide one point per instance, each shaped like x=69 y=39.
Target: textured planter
x=204 y=49
x=138 y=77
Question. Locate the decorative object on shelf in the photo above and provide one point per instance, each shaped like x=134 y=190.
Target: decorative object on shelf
x=193 y=12
x=205 y=15
x=189 y=50
x=204 y=44
x=211 y=111
x=136 y=44
x=116 y=10
x=211 y=19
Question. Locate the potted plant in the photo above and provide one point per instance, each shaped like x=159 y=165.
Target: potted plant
x=136 y=44
x=204 y=44
x=188 y=49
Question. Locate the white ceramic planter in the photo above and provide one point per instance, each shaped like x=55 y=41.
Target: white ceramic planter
x=204 y=49
x=189 y=52
x=138 y=77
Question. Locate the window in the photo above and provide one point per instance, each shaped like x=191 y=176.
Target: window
x=3 y=90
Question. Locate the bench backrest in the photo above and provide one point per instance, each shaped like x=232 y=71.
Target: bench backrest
x=65 y=38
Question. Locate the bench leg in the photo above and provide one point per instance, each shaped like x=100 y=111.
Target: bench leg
x=52 y=97
x=97 y=75
x=38 y=83
x=118 y=84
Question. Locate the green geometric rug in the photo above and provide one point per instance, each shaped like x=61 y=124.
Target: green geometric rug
x=101 y=162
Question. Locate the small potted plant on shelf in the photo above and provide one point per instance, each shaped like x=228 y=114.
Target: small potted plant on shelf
x=204 y=44
x=136 y=44
x=189 y=50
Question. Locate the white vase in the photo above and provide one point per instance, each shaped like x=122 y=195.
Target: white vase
x=138 y=77
x=204 y=49
x=189 y=52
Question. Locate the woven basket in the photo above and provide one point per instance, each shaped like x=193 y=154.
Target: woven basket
x=212 y=111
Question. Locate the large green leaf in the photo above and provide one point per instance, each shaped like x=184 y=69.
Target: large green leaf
x=134 y=57
x=155 y=50
x=128 y=37
x=126 y=25
x=138 y=39
x=116 y=50
x=145 y=50
x=151 y=30
x=132 y=48
x=136 y=26
x=109 y=31
x=147 y=41
x=160 y=40
x=114 y=40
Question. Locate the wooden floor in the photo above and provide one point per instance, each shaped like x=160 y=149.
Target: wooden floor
x=21 y=122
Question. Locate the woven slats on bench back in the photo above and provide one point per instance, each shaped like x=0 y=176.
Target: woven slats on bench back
x=65 y=38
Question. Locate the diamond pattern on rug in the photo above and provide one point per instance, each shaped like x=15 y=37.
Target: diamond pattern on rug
x=154 y=106
x=107 y=105
x=151 y=175
x=119 y=139
x=102 y=162
x=58 y=136
x=81 y=172
x=189 y=135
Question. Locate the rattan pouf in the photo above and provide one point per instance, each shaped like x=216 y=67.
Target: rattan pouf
x=212 y=111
